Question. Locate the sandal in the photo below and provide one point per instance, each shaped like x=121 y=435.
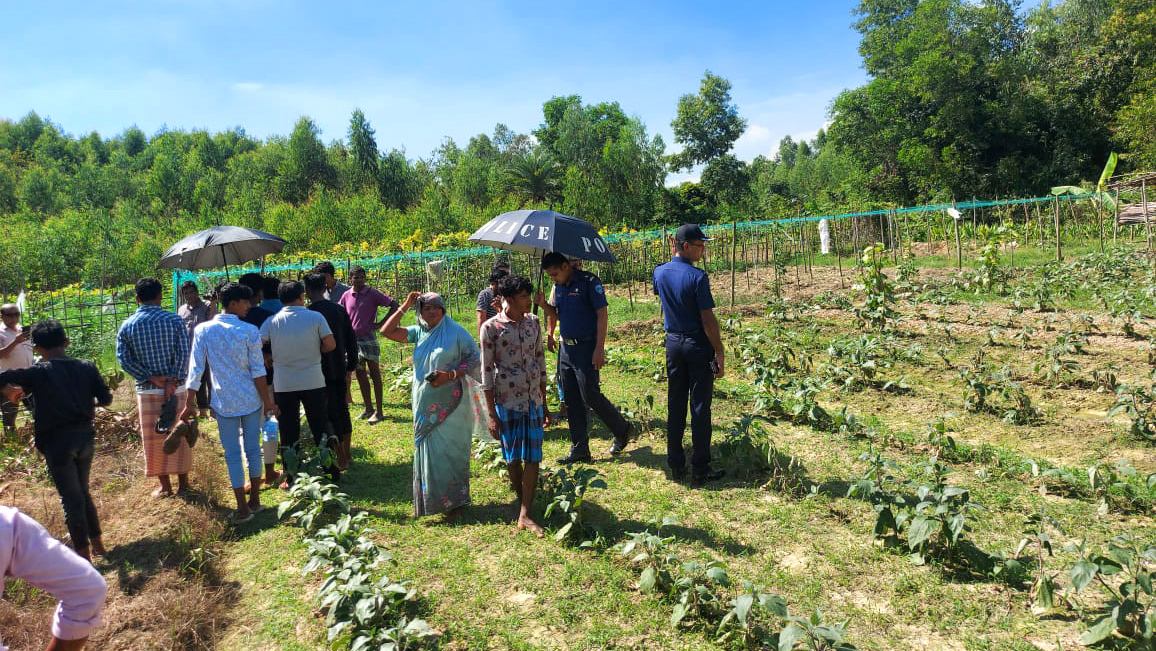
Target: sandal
x=173 y=439
x=192 y=432
x=241 y=519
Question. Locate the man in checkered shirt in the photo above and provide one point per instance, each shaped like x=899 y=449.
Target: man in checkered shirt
x=152 y=345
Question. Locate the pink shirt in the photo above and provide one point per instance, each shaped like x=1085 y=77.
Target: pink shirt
x=27 y=552
x=362 y=309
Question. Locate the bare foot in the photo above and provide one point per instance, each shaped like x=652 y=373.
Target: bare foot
x=97 y=546
x=83 y=553
x=284 y=486
x=163 y=492
x=528 y=524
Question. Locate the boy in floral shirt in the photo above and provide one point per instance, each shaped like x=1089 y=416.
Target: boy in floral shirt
x=514 y=380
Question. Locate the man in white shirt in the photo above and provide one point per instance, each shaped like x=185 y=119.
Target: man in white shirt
x=15 y=352
x=240 y=398
x=297 y=337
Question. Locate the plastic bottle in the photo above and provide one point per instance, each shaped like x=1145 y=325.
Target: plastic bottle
x=269 y=436
x=270 y=429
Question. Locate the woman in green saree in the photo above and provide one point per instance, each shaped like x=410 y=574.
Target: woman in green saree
x=448 y=409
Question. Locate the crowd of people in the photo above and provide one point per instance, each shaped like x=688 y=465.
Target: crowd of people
x=257 y=352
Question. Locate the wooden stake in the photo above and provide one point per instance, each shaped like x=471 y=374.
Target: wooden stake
x=838 y=251
x=958 y=246
x=1116 y=218
x=1144 y=207
x=734 y=244
x=1056 y=219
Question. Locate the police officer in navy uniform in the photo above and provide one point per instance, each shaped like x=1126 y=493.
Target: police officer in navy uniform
x=582 y=318
x=694 y=353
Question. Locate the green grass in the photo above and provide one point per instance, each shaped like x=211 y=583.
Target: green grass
x=484 y=585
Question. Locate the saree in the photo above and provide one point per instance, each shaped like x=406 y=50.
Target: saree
x=445 y=419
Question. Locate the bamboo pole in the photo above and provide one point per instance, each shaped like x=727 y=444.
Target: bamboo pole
x=855 y=238
x=943 y=221
x=838 y=251
x=734 y=245
x=958 y=246
x=1116 y=217
x=1144 y=207
x=1056 y=219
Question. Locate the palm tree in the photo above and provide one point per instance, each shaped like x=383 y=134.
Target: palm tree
x=536 y=176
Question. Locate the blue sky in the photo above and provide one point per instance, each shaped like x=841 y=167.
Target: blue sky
x=421 y=72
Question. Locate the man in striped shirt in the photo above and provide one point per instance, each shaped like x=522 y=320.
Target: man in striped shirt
x=152 y=345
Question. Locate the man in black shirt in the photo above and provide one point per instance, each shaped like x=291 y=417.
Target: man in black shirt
x=67 y=391
x=256 y=314
x=337 y=366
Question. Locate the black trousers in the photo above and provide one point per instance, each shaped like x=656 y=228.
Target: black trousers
x=338 y=412
x=316 y=413
x=688 y=360
x=205 y=392
x=580 y=387
x=69 y=463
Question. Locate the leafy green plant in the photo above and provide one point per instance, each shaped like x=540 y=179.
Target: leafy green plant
x=876 y=312
x=651 y=551
x=311 y=501
x=1138 y=403
x=402 y=375
x=856 y=363
x=939 y=516
x=982 y=382
x=489 y=456
x=1121 y=489
x=814 y=634
x=1124 y=577
x=752 y=617
x=1038 y=541
x=567 y=489
x=878 y=486
x=696 y=591
x=1054 y=369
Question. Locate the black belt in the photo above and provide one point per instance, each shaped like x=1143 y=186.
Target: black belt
x=689 y=333
x=575 y=342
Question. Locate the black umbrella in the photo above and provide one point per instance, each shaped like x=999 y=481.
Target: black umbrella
x=541 y=231
x=220 y=246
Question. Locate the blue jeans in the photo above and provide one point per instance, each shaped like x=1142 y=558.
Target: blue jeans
x=231 y=429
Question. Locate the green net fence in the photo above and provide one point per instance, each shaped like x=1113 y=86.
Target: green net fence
x=460 y=274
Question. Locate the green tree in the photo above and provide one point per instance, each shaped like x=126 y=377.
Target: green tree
x=725 y=179
x=399 y=185
x=536 y=176
x=133 y=141
x=363 y=147
x=306 y=164
x=708 y=124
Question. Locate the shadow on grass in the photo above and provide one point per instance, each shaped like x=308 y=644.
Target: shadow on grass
x=615 y=530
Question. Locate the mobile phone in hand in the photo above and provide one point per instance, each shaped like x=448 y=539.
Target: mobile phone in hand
x=713 y=366
x=433 y=375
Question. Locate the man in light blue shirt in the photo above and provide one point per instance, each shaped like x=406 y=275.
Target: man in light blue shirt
x=233 y=349
x=297 y=337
